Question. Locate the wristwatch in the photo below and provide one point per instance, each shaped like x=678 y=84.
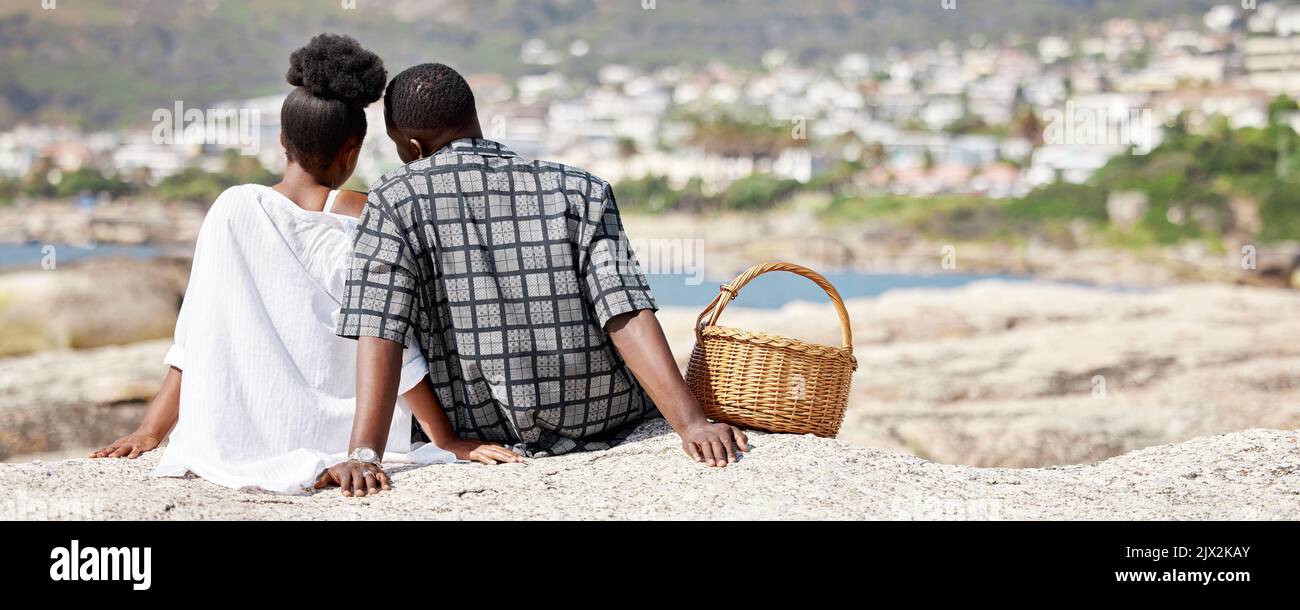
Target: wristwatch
x=365 y=455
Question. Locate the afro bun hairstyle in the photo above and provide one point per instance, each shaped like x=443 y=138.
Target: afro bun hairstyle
x=334 y=79
x=335 y=67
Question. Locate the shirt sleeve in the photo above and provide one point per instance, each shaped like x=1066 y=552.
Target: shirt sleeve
x=379 y=297
x=175 y=357
x=612 y=277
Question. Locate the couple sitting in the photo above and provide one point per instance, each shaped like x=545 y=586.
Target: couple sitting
x=497 y=295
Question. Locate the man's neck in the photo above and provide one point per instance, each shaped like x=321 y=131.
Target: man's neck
x=442 y=142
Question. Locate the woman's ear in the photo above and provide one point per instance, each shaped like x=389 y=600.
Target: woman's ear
x=353 y=155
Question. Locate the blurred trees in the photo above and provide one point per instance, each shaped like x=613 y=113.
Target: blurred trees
x=201 y=186
x=192 y=184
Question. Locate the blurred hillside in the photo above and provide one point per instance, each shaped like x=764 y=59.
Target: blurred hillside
x=99 y=64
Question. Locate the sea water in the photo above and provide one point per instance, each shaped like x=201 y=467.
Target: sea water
x=774 y=290
x=17 y=256
x=770 y=291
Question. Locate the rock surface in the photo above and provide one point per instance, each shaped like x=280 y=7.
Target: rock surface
x=993 y=374
x=1020 y=375
x=90 y=304
x=65 y=400
x=1246 y=475
x=118 y=222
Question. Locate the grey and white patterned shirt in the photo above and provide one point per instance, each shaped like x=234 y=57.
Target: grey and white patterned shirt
x=504 y=271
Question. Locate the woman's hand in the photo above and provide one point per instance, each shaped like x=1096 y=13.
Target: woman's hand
x=355 y=477
x=428 y=411
x=130 y=446
x=481 y=451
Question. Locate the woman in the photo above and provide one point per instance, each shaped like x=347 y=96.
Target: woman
x=260 y=391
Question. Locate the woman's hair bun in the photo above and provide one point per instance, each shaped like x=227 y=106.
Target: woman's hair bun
x=335 y=67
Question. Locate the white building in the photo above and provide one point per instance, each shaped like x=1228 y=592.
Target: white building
x=1072 y=163
x=1221 y=18
x=138 y=151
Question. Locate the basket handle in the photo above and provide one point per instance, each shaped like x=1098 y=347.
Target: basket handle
x=732 y=290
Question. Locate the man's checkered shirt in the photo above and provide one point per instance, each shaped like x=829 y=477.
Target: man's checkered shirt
x=504 y=271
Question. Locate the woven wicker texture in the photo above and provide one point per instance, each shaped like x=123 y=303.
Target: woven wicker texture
x=767 y=382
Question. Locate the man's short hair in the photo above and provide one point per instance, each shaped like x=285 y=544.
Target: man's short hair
x=429 y=98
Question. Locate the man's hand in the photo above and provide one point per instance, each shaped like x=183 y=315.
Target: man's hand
x=379 y=365
x=714 y=444
x=640 y=341
x=356 y=478
x=130 y=446
x=481 y=451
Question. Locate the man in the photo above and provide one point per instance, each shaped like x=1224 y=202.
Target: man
x=516 y=280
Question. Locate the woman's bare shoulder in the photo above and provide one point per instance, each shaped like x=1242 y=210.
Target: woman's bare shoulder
x=350 y=203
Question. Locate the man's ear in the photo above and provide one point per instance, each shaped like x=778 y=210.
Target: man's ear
x=419 y=149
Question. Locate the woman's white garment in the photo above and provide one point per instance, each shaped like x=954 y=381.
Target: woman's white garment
x=268 y=390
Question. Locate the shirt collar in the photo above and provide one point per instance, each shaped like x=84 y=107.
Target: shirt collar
x=477 y=146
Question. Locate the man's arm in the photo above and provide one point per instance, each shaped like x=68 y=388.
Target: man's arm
x=381 y=272
x=379 y=371
x=640 y=341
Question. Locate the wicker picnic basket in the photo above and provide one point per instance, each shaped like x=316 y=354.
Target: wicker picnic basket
x=765 y=382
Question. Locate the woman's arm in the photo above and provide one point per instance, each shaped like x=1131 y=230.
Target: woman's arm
x=428 y=411
x=379 y=364
x=350 y=203
x=158 y=421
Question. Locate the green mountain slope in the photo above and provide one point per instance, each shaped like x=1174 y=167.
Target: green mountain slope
x=102 y=63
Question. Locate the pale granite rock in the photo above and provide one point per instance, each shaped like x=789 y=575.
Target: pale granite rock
x=1241 y=476
x=993 y=374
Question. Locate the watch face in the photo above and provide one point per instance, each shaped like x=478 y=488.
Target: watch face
x=366 y=454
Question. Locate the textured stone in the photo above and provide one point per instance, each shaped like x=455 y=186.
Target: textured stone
x=1011 y=374
x=1245 y=475
x=993 y=374
x=89 y=304
x=64 y=400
